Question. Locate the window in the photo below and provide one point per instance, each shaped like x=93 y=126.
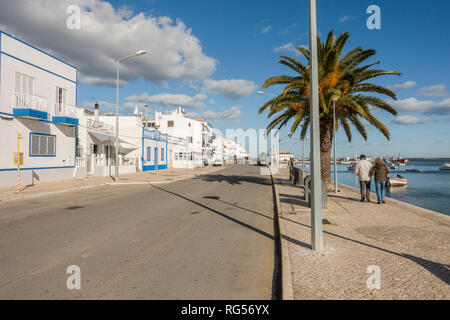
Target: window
x=149 y=153
x=60 y=100
x=24 y=83
x=170 y=123
x=42 y=145
x=162 y=154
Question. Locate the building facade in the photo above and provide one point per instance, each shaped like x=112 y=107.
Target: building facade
x=37 y=103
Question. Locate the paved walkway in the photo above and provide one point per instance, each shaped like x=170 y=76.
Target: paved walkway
x=409 y=245
x=160 y=176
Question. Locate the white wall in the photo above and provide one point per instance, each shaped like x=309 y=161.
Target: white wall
x=41 y=168
x=44 y=83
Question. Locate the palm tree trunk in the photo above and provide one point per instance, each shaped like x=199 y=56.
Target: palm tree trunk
x=326 y=139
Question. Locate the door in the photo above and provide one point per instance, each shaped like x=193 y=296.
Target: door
x=156 y=157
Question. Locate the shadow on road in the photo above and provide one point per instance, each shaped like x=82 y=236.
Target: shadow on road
x=233 y=179
x=263 y=233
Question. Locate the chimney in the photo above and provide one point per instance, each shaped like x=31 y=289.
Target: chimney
x=96 y=110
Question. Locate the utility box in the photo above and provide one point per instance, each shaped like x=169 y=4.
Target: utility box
x=18 y=158
x=307 y=185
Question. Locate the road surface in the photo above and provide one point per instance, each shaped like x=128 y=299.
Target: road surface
x=210 y=237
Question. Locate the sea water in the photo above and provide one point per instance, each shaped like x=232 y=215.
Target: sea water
x=429 y=189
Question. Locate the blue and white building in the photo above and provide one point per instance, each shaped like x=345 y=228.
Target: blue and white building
x=37 y=99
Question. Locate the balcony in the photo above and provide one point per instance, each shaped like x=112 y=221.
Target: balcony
x=30 y=106
x=64 y=114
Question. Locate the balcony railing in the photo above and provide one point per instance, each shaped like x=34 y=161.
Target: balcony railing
x=64 y=110
x=99 y=125
x=29 y=101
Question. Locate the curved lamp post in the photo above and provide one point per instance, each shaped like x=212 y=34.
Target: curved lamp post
x=139 y=53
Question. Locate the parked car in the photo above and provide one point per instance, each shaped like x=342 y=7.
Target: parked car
x=217 y=163
x=262 y=162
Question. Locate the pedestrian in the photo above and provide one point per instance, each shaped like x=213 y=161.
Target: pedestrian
x=362 y=170
x=380 y=171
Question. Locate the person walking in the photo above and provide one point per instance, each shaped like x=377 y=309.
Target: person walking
x=380 y=171
x=362 y=170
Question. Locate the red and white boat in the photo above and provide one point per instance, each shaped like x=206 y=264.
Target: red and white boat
x=399 y=181
x=400 y=160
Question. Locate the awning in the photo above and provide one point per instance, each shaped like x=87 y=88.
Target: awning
x=104 y=137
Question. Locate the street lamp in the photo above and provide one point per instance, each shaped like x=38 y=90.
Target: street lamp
x=139 y=53
x=316 y=192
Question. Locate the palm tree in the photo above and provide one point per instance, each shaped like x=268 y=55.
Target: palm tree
x=341 y=80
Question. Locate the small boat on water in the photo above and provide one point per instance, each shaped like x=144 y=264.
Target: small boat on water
x=445 y=166
x=414 y=170
x=351 y=167
x=398 y=182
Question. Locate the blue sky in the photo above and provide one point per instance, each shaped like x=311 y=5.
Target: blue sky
x=213 y=56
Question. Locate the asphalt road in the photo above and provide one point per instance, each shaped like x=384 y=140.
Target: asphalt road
x=205 y=238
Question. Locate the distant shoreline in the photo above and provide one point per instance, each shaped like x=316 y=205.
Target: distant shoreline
x=430 y=159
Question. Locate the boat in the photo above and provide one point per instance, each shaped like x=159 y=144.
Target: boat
x=445 y=166
x=414 y=170
x=399 y=181
x=351 y=167
x=392 y=165
x=400 y=160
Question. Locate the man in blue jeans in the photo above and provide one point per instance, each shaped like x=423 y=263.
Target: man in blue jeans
x=362 y=170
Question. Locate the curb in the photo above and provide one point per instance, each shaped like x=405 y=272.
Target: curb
x=287 y=286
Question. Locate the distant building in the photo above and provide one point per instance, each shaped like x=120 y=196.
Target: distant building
x=37 y=100
x=284 y=156
x=191 y=139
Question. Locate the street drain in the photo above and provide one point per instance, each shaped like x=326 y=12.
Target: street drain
x=74 y=208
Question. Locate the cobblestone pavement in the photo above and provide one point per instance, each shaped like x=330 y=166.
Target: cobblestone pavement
x=411 y=250
x=160 y=176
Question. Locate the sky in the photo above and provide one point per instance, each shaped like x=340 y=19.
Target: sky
x=211 y=58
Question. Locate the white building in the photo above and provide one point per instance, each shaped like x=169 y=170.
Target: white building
x=190 y=139
x=284 y=156
x=228 y=151
x=37 y=100
x=140 y=149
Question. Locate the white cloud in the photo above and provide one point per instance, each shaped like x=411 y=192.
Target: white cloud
x=234 y=113
x=233 y=89
x=107 y=33
x=172 y=100
x=265 y=29
x=403 y=86
x=411 y=120
x=342 y=19
x=433 y=91
x=288 y=29
x=422 y=106
x=289 y=47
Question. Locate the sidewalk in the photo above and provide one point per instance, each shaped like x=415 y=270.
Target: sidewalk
x=156 y=177
x=410 y=245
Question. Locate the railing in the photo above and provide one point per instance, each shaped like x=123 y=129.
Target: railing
x=155 y=135
x=64 y=110
x=29 y=101
x=98 y=125
x=176 y=140
x=81 y=162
